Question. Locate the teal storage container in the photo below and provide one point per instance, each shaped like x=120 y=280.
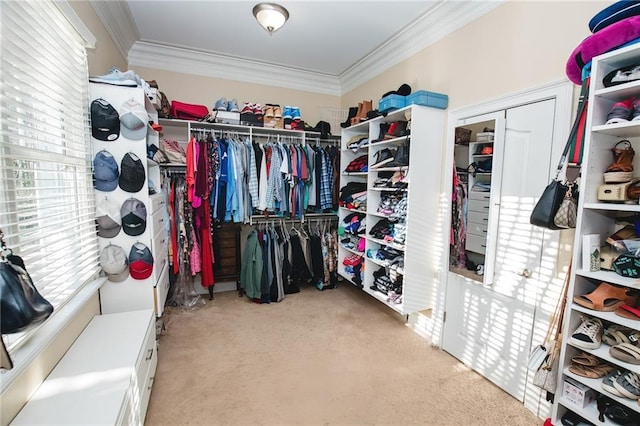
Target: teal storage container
x=391 y=102
x=430 y=99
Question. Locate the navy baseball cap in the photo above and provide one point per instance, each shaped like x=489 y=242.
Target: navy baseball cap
x=105 y=171
x=132 y=174
x=105 y=121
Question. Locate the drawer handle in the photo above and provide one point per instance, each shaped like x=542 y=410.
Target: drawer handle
x=162 y=241
x=484 y=230
x=150 y=355
x=485 y=218
x=162 y=220
x=483 y=246
x=151 y=379
x=485 y=207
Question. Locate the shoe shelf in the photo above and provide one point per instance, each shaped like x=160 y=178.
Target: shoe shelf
x=377 y=262
x=390 y=142
x=385 y=243
x=603 y=218
x=603 y=353
x=596 y=384
x=385 y=189
x=390 y=169
x=353 y=210
x=378 y=214
x=383 y=298
x=350 y=250
x=354 y=173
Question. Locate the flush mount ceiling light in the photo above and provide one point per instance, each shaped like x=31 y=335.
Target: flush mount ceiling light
x=271 y=16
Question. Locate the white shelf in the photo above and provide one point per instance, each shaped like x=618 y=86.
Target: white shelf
x=389 y=169
x=395 y=141
x=590 y=412
x=619 y=92
x=614 y=207
x=353 y=210
x=384 y=243
x=629 y=129
x=596 y=384
x=359 y=253
x=610 y=277
x=354 y=173
x=606 y=316
x=378 y=214
x=383 y=298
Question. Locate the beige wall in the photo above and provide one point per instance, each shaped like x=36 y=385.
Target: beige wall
x=517 y=46
x=106 y=54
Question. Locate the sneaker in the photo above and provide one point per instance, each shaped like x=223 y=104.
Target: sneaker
x=295 y=113
x=248 y=108
x=257 y=109
x=609 y=380
x=588 y=335
x=233 y=106
x=221 y=104
x=288 y=113
x=382 y=157
x=620 y=112
x=636 y=110
x=117 y=78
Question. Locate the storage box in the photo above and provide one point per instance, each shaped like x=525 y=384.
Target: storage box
x=577 y=394
x=391 y=102
x=484 y=137
x=430 y=99
x=251 y=119
x=274 y=123
x=227 y=117
x=591 y=252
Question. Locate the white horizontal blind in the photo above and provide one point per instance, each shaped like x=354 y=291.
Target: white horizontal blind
x=46 y=194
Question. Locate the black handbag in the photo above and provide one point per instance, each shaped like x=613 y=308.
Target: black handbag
x=544 y=212
x=21 y=305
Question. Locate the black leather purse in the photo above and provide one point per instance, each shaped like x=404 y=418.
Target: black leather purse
x=21 y=305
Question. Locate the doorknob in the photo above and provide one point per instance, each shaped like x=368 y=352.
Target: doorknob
x=526 y=273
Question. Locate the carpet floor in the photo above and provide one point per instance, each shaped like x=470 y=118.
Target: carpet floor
x=336 y=357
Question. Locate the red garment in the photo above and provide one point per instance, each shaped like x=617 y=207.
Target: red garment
x=174 y=229
x=190 y=177
x=206 y=247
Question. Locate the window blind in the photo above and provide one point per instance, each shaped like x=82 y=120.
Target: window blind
x=46 y=194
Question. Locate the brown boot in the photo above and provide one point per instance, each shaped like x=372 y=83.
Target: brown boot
x=366 y=107
x=356 y=119
x=621 y=170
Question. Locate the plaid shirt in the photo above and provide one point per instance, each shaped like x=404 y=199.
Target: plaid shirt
x=325 y=181
x=253 y=175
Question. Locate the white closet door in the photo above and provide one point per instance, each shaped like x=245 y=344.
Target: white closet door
x=489 y=326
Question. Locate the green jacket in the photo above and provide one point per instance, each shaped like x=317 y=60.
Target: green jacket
x=251 y=271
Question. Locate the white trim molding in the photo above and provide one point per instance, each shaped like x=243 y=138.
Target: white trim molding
x=440 y=21
x=436 y=24
x=189 y=61
x=118 y=21
x=76 y=22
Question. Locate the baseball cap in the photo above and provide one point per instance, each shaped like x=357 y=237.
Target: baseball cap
x=134 y=217
x=133 y=118
x=107 y=218
x=114 y=263
x=140 y=261
x=132 y=174
x=105 y=171
x=105 y=122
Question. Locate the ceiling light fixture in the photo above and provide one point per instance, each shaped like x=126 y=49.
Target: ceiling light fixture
x=270 y=16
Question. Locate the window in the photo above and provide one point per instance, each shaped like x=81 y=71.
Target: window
x=46 y=192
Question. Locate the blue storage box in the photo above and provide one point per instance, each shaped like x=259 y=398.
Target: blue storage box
x=430 y=99
x=391 y=102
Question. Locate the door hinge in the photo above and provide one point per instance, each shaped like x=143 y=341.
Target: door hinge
x=444 y=317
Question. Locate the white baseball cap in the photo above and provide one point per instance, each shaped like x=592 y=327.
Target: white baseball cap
x=108 y=218
x=134 y=120
x=115 y=263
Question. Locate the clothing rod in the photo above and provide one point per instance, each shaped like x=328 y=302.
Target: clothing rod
x=199 y=129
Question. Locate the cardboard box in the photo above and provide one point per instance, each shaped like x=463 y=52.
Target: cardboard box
x=577 y=394
x=274 y=123
x=227 y=117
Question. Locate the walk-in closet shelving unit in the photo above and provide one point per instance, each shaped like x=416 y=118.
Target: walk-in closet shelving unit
x=424 y=174
x=597 y=217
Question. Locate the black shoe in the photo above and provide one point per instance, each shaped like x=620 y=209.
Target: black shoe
x=382 y=157
x=352 y=113
x=402 y=157
x=384 y=128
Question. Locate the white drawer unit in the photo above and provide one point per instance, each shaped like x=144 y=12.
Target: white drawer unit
x=476 y=243
x=104 y=378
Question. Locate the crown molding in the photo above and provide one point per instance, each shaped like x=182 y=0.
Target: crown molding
x=207 y=64
x=118 y=21
x=436 y=24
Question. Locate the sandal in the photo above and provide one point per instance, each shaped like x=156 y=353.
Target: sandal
x=586 y=360
x=628 y=385
x=607 y=297
x=621 y=170
x=593 y=372
x=627 y=311
x=615 y=334
x=626 y=352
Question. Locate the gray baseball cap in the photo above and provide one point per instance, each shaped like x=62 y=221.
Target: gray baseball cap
x=134 y=217
x=114 y=263
x=134 y=120
x=107 y=218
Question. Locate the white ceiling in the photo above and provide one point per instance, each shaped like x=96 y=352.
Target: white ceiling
x=331 y=46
